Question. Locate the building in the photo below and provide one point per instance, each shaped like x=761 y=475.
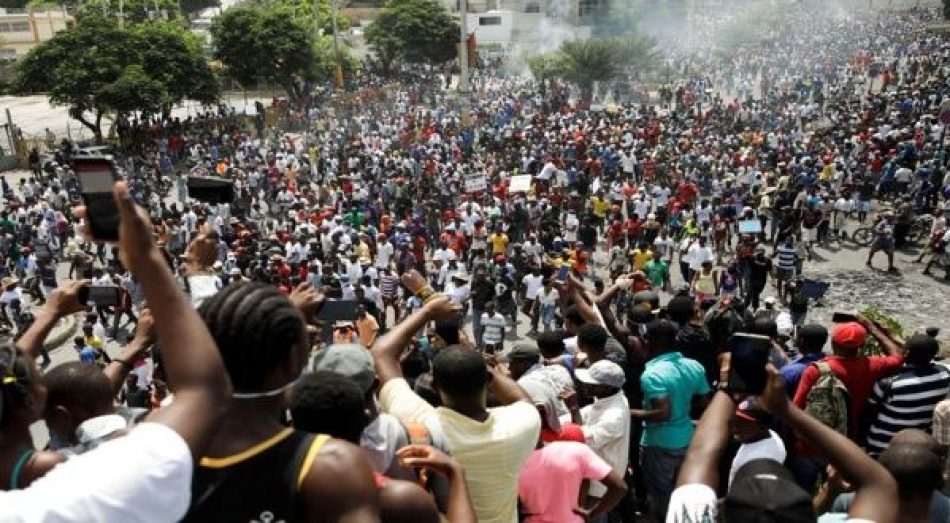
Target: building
x=535 y=25
x=23 y=29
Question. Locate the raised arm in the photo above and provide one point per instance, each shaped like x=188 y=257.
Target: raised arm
x=889 y=345
x=709 y=442
x=144 y=338
x=387 y=349
x=876 y=490
x=191 y=359
x=505 y=389
x=60 y=303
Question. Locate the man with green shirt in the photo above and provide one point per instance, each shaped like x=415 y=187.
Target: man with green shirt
x=658 y=273
x=669 y=383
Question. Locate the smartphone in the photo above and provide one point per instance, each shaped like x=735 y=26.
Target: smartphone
x=96 y=179
x=843 y=317
x=102 y=295
x=562 y=273
x=337 y=310
x=748 y=355
x=210 y=190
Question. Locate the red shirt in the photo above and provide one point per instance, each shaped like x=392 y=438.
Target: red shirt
x=858 y=374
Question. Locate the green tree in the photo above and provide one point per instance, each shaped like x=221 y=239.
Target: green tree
x=415 y=31
x=97 y=68
x=303 y=11
x=585 y=62
x=256 y=42
x=543 y=67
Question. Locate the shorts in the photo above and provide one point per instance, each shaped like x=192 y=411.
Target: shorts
x=810 y=235
x=883 y=245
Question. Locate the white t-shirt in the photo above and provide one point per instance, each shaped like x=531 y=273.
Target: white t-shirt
x=145 y=476
x=203 y=286
x=549 y=298
x=532 y=285
x=768 y=448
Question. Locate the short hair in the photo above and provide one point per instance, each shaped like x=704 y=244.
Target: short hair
x=459 y=372
x=921 y=348
x=681 y=309
x=592 y=336
x=325 y=402
x=78 y=384
x=255 y=327
x=812 y=337
x=917 y=469
x=551 y=344
x=661 y=332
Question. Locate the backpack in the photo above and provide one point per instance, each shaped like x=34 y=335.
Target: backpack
x=827 y=400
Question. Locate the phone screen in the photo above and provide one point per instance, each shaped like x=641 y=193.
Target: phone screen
x=336 y=310
x=749 y=354
x=96 y=178
x=562 y=273
x=103 y=295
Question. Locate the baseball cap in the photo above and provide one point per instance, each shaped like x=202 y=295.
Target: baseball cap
x=603 y=372
x=764 y=490
x=850 y=335
x=348 y=359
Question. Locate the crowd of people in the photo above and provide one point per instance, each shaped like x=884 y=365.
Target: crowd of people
x=533 y=311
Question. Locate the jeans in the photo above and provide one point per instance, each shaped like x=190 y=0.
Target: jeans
x=547 y=316
x=658 y=467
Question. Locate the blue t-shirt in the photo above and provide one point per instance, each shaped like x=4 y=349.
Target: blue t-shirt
x=88 y=355
x=792 y=373
x=678 y=378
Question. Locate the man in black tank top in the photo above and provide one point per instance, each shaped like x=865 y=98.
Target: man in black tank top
x=257 y=469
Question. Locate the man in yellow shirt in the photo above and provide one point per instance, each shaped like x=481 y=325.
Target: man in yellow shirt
x=492 y=444
x=640 y=256
x=499 y=242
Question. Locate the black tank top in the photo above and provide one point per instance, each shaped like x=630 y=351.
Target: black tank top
x=258 y=484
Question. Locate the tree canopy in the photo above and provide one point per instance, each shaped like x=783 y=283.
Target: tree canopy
x=589 y=61
x=415 y=31
x=98 y=68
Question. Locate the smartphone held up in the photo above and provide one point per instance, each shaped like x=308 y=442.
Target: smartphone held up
x=97 y=177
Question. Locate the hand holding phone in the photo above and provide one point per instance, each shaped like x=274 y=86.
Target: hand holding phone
x=562 y=273
x=97 y=178
x=746 y=362
x=843 y=317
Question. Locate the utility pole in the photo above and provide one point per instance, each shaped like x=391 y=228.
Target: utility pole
x=316 y=21
x=463 y=87
x=338 y=70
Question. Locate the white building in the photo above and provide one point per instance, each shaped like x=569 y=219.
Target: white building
x=539 y=25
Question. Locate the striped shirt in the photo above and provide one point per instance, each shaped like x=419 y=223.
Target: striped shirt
x=388 y=285
x=786 y=257
x=905 y=400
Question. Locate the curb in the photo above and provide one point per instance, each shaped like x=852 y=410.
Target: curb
x=60 y=335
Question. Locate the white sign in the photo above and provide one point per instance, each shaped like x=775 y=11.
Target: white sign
x=520 y=183
x=475 y=182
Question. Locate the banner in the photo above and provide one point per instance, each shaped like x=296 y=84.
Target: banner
x=520 y=183
x=475 y=182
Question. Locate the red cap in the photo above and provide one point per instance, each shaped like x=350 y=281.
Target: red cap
x=850 y=335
